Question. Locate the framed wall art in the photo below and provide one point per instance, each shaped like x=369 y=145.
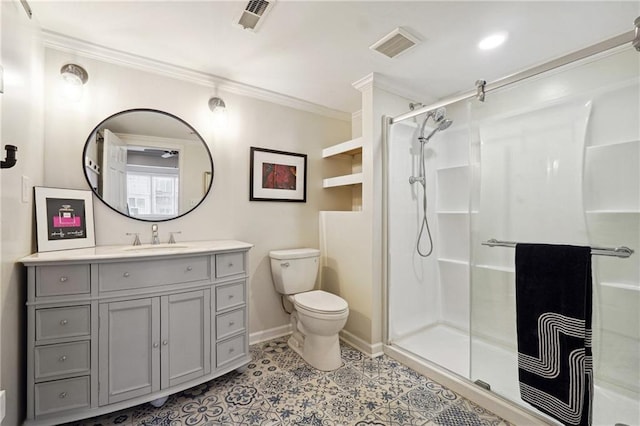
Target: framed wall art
x=277 y=176
x=64 y=218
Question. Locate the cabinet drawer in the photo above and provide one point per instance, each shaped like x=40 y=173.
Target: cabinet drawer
x=148 y=273
x=60 y=395
x=230 y=295
x=65 y=358
x=55 y=323
x=229 y=264
x=229 y=323
x=62 y=280
x=230 y=349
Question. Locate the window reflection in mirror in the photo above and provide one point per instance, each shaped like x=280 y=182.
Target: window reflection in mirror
x=148 y=165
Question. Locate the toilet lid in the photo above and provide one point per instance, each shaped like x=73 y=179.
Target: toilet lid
x=320 y=301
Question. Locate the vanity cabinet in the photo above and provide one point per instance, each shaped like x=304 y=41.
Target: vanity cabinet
x=113 y=327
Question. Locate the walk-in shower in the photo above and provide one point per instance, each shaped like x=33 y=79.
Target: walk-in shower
x=538 y=161
x=441 y=123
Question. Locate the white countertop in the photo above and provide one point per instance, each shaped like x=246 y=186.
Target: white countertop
x=132 y=252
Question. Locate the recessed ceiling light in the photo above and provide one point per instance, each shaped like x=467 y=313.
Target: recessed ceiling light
x=492 y=41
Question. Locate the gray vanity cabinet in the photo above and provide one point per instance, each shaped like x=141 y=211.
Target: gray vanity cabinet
x=169 y=345
x=185 y=337
x=129 y=352
x=113 y=329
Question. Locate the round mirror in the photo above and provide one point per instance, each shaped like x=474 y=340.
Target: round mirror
x=148 y=165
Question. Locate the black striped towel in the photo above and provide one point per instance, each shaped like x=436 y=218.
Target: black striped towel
x=553 y=308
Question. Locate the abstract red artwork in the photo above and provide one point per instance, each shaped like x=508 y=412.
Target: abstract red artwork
x=278 y=176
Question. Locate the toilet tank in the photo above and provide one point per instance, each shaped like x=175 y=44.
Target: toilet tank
x=294 y=271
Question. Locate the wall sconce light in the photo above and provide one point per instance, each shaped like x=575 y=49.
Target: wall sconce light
x=74 y=77
x=219 y=110
x=216 y=105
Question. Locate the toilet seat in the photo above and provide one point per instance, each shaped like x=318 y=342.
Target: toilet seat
x=320 y=302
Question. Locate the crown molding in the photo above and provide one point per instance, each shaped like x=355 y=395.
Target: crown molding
x=75 y=46
x=385 y=83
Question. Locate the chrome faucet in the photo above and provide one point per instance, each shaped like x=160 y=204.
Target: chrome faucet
x=154 y=234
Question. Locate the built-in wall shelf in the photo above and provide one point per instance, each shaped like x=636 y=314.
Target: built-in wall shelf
x=352 y=179
x=344 y=159
x=351 y=147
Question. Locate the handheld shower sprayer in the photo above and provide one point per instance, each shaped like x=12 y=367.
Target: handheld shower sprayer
x=441 y=123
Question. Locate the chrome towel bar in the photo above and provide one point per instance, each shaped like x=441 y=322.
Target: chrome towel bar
x=622 y=251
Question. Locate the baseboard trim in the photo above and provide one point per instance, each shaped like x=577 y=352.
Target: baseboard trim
x=269 y=334
x=373 y=350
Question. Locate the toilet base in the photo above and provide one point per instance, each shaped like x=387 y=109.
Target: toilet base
x=321 y=352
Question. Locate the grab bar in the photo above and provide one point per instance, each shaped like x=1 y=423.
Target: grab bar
x=622 y=251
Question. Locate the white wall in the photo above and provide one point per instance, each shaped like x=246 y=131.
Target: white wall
x=22 y=125
x=227 y=212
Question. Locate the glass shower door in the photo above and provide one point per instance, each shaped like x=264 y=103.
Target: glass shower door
x=555 y=160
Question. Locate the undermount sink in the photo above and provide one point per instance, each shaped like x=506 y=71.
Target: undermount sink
x=146 y=247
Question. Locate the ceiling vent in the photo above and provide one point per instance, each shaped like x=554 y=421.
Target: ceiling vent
x=394 y=43
x=254 y=13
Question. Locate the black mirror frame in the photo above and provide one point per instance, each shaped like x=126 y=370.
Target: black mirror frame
x=195 y=132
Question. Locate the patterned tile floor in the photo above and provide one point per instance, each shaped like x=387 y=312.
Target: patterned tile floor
x=279 y=388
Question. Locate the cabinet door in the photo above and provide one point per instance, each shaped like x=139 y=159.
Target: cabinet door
x=186 y=337
x=129 y=349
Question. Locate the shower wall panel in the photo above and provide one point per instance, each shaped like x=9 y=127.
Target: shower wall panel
x=413 y=281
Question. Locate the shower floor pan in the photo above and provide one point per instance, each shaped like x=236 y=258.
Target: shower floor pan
x=450 y=348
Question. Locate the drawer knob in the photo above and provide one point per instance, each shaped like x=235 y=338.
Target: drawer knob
x=126 y=275
x=62 y=395
x=230 y=265
x=155 y=344
x=231 y=296
x=231 y=323
x=165 y=342
x=189 y=268
x=285 y=264
x=231 y=350
x=64 y=322
x=63 y=358
x=64 y=279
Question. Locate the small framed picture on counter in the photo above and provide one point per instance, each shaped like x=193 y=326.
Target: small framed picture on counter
x=64 y=218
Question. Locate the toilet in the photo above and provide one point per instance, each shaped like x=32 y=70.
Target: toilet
x=318 y=316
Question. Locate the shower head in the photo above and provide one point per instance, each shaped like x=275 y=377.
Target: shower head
x=444 y=124
x=441 y=123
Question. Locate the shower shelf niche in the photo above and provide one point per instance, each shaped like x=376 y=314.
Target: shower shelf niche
x=453 y=261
